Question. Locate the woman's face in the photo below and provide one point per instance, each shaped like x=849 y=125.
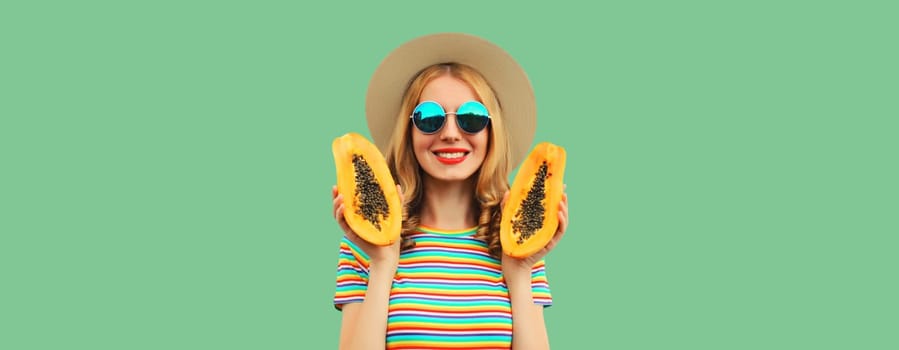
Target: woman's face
x=449 y=154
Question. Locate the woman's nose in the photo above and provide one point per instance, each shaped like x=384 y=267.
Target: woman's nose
x=450 y=130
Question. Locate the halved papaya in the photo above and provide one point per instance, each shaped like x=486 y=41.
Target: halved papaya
x=530 y=215
x=372 y=206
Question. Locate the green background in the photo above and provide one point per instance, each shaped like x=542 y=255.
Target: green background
x=166 y=168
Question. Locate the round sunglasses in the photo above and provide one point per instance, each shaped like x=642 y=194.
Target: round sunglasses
x=429 y=117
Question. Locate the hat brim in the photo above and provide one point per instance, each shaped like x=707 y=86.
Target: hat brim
x=505 y=76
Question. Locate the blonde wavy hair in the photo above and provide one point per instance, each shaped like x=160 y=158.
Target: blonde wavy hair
x=492 y=177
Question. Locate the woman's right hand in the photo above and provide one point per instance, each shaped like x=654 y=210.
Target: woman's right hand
x=377 y=255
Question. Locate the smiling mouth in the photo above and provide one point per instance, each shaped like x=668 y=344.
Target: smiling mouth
x=450 y=158
x=450 y=155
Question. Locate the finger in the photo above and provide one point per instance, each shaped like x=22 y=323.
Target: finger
x=345 y=227
x=338 y=201
x=342 y=222
x=563 y=226
x=549 y=247
x=502 y=203
x=334 y=191
x=338 y=213
x=563 y=205
x=542 y=253
x=358 y=241
x=560 y=231
x=563 y=212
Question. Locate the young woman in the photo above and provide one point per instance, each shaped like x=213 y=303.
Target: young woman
x=453 y=113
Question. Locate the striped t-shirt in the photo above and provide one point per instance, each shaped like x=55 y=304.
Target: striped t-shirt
x=448 y=292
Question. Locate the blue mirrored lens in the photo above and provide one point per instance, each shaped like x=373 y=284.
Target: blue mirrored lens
x=428 y=117
x=472 y=117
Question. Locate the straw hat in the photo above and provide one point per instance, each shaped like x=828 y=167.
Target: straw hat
x=509 y=81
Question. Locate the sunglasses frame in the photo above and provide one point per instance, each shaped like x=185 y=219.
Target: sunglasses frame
x=446 y=116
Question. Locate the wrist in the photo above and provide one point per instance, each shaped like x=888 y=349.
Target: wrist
x=517 y=277
x=382 y=266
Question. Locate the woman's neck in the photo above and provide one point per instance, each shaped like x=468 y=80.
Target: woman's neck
x=448 y=205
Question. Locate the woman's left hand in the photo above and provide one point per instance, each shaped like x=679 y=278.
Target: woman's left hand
x=528 y=262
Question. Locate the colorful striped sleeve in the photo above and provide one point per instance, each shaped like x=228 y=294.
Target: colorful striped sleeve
x=352 y=274
x=540 y=286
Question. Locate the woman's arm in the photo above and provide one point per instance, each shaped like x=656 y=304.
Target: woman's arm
x=364 y=325
x=528 y=326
